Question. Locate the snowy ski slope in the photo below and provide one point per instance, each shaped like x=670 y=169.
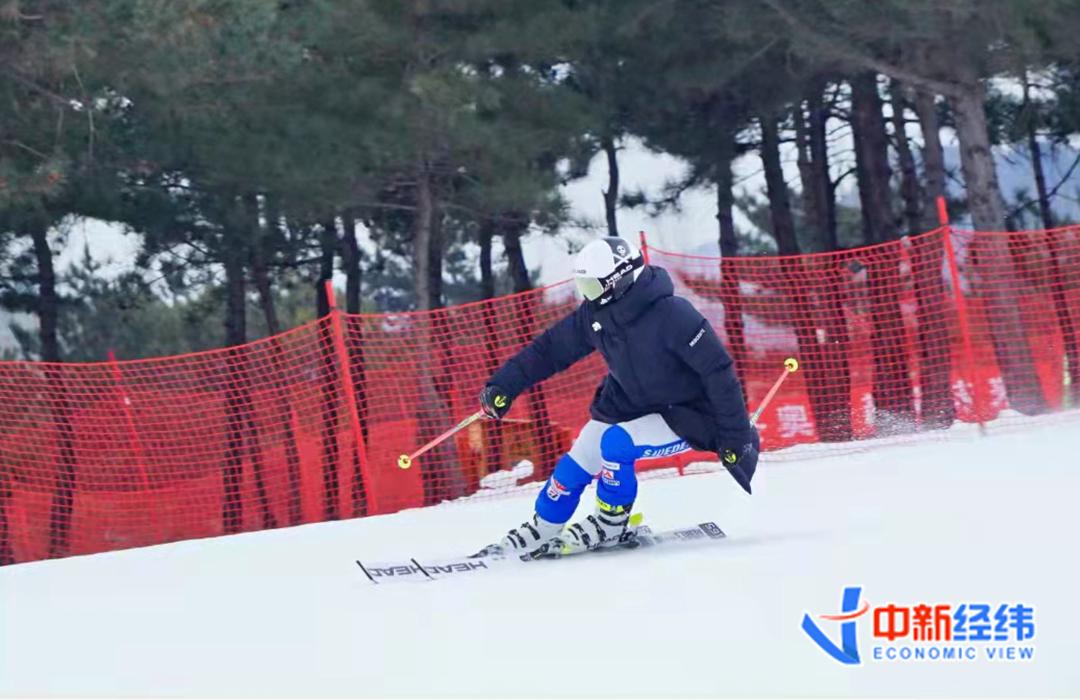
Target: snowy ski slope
x=288 y=613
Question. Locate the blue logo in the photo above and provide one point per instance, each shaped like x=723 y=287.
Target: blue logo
x=848 y=651
x=928 y=631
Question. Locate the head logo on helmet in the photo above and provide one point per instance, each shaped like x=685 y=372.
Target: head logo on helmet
x=606 y=268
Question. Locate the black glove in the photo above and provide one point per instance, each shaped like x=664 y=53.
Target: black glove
x=494 y=401
x=741 y=457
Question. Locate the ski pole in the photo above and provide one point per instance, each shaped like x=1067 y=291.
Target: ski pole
x=405 y=461
x=791 y=365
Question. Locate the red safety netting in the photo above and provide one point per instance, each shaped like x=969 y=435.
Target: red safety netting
x=903 y=337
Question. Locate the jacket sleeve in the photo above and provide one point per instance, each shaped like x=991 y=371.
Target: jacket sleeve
x=693 y=339
x=552 y=351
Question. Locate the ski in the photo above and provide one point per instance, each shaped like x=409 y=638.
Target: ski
x=413 y=569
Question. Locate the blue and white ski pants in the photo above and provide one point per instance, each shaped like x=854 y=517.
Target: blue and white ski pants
x=608 y=451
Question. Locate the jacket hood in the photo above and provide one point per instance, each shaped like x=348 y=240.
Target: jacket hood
x=652 y=285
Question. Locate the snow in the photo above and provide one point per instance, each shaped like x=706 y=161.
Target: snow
x=288 y=613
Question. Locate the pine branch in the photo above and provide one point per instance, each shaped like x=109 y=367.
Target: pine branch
x=34 y=87
x=1052 y=192
x=29 y=149
x=841 y=50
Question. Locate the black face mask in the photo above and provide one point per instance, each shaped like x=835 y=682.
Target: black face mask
x=614 y=285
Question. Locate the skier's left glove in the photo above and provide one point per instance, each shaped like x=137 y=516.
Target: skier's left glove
x=740 y=456
x=494 y=401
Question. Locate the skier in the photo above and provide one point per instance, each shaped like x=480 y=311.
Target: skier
x=670 y=387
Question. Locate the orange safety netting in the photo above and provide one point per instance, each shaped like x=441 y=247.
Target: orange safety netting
x=897 y=338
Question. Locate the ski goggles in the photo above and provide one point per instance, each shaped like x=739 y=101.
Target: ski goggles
x=590 y=287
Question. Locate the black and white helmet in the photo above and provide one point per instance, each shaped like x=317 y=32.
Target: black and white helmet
x=606 y=268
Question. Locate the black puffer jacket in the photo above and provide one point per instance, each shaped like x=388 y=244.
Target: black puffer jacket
x=662 y=357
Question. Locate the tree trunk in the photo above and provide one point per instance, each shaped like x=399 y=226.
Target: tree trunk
x=514 y=226
x=819 y=165
x=260 y=272
x=261 y=238
x=547 y=447
x=1045 y=211
x=233 y=255
x=440 y=474
x=830 y=409
x=779 y=204
x=814 y=179
x=7 y=551
x=515 y=258
x=328 y=245
x=48 y=310
x=328 y=424
x=829 y=377
x=493 y=433
x=487 y=276
x=995 y=274
x=611 y=194
x=1069 y=331
x=1061 y=304
x=350 y=263
x=237 y=396
x=927 y=256
x=872 y=159
x=725 y=205
x=827 y=336
x=892 y=390
x=909 y=176
x=240 y=411
x=976 y=158
x=422 y=239
x=436 y=253
x=452 y=479
x=48 y=304
x=934 y=335
x=330 y=408
x=730 y=291
x=812 y=217
x=933 y=156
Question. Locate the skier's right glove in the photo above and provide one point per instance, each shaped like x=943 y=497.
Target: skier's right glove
x=741 y=458
x=494 y=401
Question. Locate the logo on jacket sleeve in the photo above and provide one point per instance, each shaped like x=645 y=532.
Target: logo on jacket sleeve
x=697 y=337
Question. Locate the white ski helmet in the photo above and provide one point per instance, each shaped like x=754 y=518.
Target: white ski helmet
x=606 y=268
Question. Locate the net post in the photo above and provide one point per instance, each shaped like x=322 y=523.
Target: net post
x=345 y=377
x=961 y=313
x=942 y=211
x=644 y=246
